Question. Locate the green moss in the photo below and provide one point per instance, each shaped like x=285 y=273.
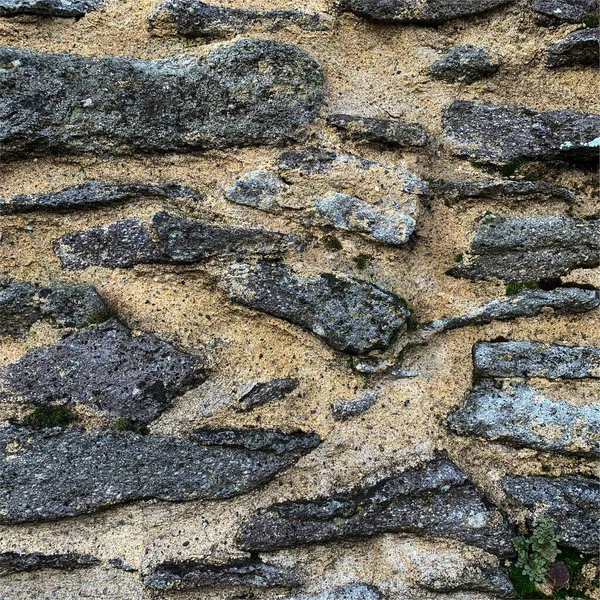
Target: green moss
x=123 y=424
x=524 y=587
x=362 y=260
x=49 y=416
x=512 y=167
x=515 y=287
x=477 y=164
x=591 y=20
x=458 y=257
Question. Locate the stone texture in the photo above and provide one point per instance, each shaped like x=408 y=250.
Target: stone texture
x=350 y=315
x=114 y=105
x=502 y=134
x=523 y=249
x=353 y=591
x=394 y=133
x=107 y=368
x=258 y=189
x=49 y=8
x=465 y=64
x=257 y=394
x=16 y=562
x=50 y=474
x=345 y=409
x=578 y=48
x=473 y=578
x=571 y=503
x=569 y=11
x=437 y=500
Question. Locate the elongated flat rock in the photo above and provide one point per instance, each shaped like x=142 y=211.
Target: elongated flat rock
x=49 y=8
x=106 y=367
x=568 y=11
x=581 y=47
x=465 y=63
x=353 y=591
x=520 y=415
x=437 y=500
x=259 y=393
x=115 y=105
x=50 y=474
x=522 y=249
x=390 y=132
x=350 y=315
x=345 y=409
x=572 y=504
x=501 y=134
x=15 y=562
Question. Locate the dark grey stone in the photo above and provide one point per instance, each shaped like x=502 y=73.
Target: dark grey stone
x=54 y=473
x=195 y=19
x=473 y=578
x=569 y=11
x=265 y=392
x=503 y=134
x=16 y=562
x=92 y=193
x=578 y=48
x=522 y=416
x=350 y=315
x=106 y=367
x=437 y=500
x=49 y=8
x=465 y=63
x=524 y=249
x=353 y=591
x=345 y=409
x=393 y=133
x=61 y=304
x=258 y=189
x=572 y=504
x=115 y=105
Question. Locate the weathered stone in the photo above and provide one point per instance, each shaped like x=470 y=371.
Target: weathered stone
x=61 y=304
x=570 y=11
x=472 y=578
x=520 y=415
x=258 y=394
x=106 y=367
x=92 y=193
x=503 y=134
x=535 y=359
x=437 y=500
x=49 y=474
x=578 y=48
x=259 y=189
x=523 y=249
x=15 y=562
x=353 y=591
x=49 y=8
x=383 y=131
x=119 y=105
x=350 y=315
x=428 y=12
x=196 y=19
x=465 y=63
x=345 y=409
x=572 y=504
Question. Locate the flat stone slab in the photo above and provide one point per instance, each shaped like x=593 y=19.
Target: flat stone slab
x=343 y=410
x=106 y=367
x=394 y=133
x=115 y=105
x=258 y=189
x=466 y=63
x=52 y=473
x=353 y=591
x=350 y=315
x=16 y=562
x=581 y=47
x=572 y=504
x=525 y=249
x=259 y=393
x=568 y=11
x=49 y=8
x=521 y=415
x=505 y=133
x=437 y=500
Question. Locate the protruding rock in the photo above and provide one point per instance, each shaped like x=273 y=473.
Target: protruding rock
x=49 y=8
x=503 y=134
x=350 y=315
x=466 y=64
x=572 y=504
x=115 y=105
x=580 y=47
x=259 y=189
x=353 y=591
x=437 y=500
x=345 y=409
x=49 y=474
x=16 y=562
x=106 y=367
x=569 y=11
x=257 y=394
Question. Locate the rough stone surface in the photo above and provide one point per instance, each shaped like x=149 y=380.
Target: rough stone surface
x=261 y=393
x=569 y=11
x=49 y=8
x=571 y=503
x=437 y=500
x=258 y=189
x=578 y=48
x=393 y=133
x=49 y=474
x=474 y=578
x=354 y=591
x=502 y=134
x=15 y=562
x=350 y=315
x=466 y=63
x=345 y=409
x=106 y=367
x=118 y=105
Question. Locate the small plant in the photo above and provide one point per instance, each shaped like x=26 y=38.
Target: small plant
x=458 y=257
x=362 y=260
x=536 y=553
x=516 y=287
x=49 y=416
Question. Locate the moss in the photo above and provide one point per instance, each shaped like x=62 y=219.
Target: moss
x=362 y=260
x=49 y=416
x=515 y=287
x=591 y=20
x=123 y=424
x=512 y=167
x=524 y=587
x=477 y=164
x=458 y=257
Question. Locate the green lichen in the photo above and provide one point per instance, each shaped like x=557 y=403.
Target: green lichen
x=123 y=424
x=49 y=416
x=536 y=553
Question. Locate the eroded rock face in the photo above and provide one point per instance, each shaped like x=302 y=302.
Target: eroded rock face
x=354 y=591
x=581 y=47
x=569 y=11
x=572 y=504
x=49 y=8
x=389 y=132
x=50 y=474
x=502 y=134
x=16 y=562
x=115 y=105
x=264 y=392
x=350 y=315
x=437 y=500
x=465 y=63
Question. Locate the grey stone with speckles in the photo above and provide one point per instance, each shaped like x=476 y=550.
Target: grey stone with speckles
x=466 y=64
x=580 y=47
x=259 y=393
x=345 y=409
x=394 y=133
x=16 y=562
x=568 y=11
x=352 y=591
x=49 y=8
x=258 y=189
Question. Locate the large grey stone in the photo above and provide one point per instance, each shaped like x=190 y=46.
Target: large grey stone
x=502 y=134
x=569 y=11
x=353 y=591
x=578 y=48
x=16 y=562
x=350 y=315
x=390 y=132
x=258 y=189
x=249 y=92
x=49 y=8
x=436 y=500
x=49 y=474
x=465 y=63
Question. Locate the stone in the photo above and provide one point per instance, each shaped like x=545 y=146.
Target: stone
x=472 y=578
x=466 y=64
x=195 y=19
x=530 y=249
x=569 y=11
x=106 y=367
x=259 y=393
x=353 y=591
x=535 y=359
x=437 y=500
x=521 y=415
x=92 y=193
x=506 y=134
x=49 y=8
x=394 y=133
x=192 y=574
x=258 y=189
x=51 y=474
x=580 y=47
x=16 y=562
x=350 y=315
x=345 y=409
x=115 y=105
x=571 y=503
